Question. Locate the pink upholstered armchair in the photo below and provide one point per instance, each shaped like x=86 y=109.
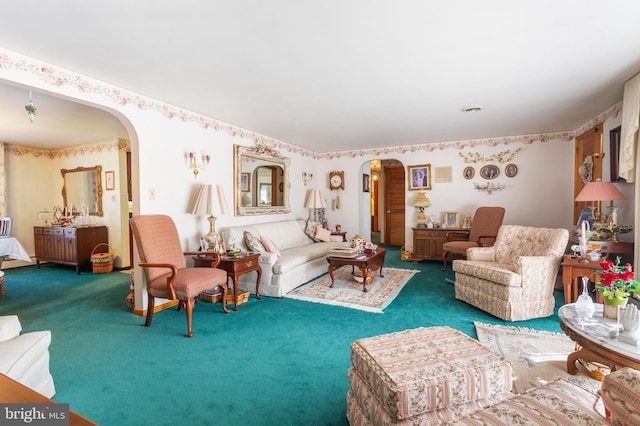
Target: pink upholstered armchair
x=515 y=278
x=165 y=268
x=486 y=222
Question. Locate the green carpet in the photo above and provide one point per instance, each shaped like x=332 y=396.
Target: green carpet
x=273 y=362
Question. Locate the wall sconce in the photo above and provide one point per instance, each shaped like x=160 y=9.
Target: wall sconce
x=489 y=188
x=307 y=177
x=196 y=163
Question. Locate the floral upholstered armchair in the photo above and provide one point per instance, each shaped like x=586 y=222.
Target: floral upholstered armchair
x=515 y=278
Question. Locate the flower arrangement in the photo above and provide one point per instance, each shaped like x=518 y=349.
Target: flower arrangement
x=616 y=281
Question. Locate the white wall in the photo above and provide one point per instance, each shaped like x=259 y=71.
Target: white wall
x=160 y=135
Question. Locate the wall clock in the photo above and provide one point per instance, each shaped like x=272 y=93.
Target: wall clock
x=336 y=180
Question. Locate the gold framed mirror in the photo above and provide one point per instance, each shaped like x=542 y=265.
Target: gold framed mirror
x=261 y=181
x=82 y=186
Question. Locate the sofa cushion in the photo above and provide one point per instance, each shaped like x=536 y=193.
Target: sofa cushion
x=556 y=403
x=292 y=258
x=488 y=271
x=9 y=327
x=323 y=234
x=310 y=229
x=269 y=245
x=253 y=242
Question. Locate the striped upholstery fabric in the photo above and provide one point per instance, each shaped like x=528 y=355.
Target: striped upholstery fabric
x=555 y=403
x=415 y=371
x=514 y=279
x=363 y=407
x=621 y=396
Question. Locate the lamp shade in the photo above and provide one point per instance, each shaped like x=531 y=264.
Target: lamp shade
x=599 y=191
x=315 y=200
x=210 y=202
x=421 y=200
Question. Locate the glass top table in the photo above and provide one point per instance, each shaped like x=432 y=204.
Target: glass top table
x=596 y=340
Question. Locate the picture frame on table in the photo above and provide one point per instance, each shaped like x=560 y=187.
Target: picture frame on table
x=365 y=183
x=109 y=182
x=245 y=182
x=419 y=177
x=451 y=219
x=585 y=215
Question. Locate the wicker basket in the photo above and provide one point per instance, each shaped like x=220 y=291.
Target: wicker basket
x=102 y=263
x=406 y=253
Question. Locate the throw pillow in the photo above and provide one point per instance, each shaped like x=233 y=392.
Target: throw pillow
x=323 y=234
x=310 y=230
x=269 y=245
x=253 y=242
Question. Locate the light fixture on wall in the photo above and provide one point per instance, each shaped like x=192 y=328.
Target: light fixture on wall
x=597 y=192
x=307 y=177
x=30 y=108
x=209 y=202
x=421 y=202
x=315 y=201
x=489 y=188
x=197 y=163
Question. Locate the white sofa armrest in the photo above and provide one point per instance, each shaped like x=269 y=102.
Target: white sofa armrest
x=10 y=327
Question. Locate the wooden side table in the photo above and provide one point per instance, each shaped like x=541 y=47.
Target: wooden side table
x=235 y=267
x=14 y=392
x=574 y=268
x=343 y=234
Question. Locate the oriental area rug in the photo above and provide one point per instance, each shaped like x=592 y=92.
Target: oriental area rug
x=347 y=291
x=537 y=357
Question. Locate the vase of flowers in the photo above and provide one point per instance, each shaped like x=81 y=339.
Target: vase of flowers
x=617 y=282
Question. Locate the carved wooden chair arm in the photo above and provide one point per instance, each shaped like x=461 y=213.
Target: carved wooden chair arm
x=451 y=233
x=174 y=272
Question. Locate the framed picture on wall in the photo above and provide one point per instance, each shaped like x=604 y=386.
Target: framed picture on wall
x=245 y=182
x=419 y=177
x=109 y=183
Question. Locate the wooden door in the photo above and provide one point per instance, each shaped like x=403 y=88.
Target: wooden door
x=394 y=189
x=587 y=144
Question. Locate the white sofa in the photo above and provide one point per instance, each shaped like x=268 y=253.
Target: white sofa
x=25 y=358
x=301 y=258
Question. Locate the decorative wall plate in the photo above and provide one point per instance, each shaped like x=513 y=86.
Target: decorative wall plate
x=510 y=170
x=469 y=172
x=489 y=172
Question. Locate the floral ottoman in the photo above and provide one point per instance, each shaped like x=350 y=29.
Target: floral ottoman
x=428 y=375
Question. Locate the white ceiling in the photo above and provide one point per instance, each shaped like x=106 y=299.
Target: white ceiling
x=332 y=75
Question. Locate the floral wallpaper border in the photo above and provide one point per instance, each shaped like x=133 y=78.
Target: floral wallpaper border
x=118 y=144
x=59 y=77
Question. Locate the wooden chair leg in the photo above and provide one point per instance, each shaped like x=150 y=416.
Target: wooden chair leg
x=150 y=308
x=189 y=308
x=225 y=290
x=444 y=260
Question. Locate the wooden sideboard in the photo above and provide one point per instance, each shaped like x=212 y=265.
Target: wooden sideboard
x=427 y=242
x=68 y=246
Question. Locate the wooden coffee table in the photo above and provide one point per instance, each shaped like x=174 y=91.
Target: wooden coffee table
x=366 y=263
x=594 y=343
